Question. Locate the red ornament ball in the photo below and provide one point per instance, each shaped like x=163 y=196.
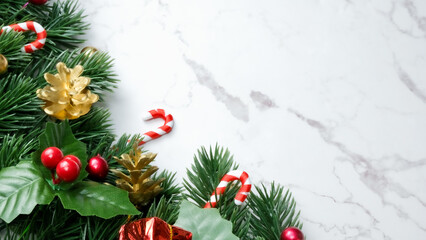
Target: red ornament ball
x=67 y=170
x=97 y=168
x=38 y=2
x=51 y=156
x=73 y=158
x=292 y=233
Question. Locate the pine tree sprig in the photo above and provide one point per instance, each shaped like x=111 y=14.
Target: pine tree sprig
x=98 y=67
x=206 y=172
x=273 y=210
x=14 y=149
x=19 y=107
x=93 y=127
x=10 y=46
x=167 y=210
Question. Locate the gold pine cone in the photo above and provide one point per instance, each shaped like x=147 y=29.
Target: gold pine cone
x=142 y=189
x=67 y=97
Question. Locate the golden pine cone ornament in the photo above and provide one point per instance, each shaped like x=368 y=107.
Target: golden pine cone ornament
x=67 y=97
x=142 y=189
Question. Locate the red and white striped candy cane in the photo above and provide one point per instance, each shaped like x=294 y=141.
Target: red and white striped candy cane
x=166 y=128
x=229 y=177
x=29 y=26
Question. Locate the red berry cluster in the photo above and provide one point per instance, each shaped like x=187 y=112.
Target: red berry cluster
x=67 y=168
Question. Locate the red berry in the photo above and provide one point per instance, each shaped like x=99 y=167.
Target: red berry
x=51 y=156
x=97 y=168
x=38 y=2
x=73 y=158
x=67 y=170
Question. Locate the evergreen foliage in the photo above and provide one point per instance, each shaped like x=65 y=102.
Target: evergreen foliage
x=268 y=210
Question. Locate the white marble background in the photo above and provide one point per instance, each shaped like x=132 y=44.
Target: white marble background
x=325 y=97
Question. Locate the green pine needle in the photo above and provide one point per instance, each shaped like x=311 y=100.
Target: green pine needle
x=273 y=210
x=19 y=105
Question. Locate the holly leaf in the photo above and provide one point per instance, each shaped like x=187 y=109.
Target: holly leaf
x=204 y=224
x=61 y=136
x=92 y=198
x=22 y=188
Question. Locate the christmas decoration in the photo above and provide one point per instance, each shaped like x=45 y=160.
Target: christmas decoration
x=152 y=229
x=3 y=64
x=89 y=51
x=166 y=128
x=38 y=2
x=51 y=156
x=29 y=26
x=68 y=170
x=97 y=168
x=140 y=186
x=67 y=97
x=229 y=177
x=204 y=223
x=292 y=233
x=30 y=185
x=55 y=203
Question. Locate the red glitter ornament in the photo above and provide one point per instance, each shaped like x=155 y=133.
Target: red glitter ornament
x=292 y=233
x=38 y=2
x=97 y=168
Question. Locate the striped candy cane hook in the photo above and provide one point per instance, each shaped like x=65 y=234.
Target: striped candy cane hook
x=229 y=177
x=29 y=26
x=166 y=128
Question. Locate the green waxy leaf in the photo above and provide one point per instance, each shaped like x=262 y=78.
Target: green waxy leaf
x=61 y=136
x=92 y=198
x=22 y=188
x=204 y=224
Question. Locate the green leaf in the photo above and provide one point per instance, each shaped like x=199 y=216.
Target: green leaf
x=205 y=224
x=92 y=198
x=22 y=188
x=61 y=136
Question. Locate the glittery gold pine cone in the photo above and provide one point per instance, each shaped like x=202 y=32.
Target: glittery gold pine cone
x=142 y=189
x=67 y=97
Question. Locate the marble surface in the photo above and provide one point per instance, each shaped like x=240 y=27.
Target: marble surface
x=327 y=98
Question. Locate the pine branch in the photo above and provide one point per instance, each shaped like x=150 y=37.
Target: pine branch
x=19 y=106
x=207 y=171
x=98 y=67
x=93 y=127
x=14 y=149
x=171 y=190
x=272 y=212
x=62 y=20
x=168 y=210
x=95 y=228
x=65 y=25
x=10 y=46
x=47 y=222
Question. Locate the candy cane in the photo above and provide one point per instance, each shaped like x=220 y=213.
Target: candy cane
x=229 y=177
x=166 y=128
x=29 y=26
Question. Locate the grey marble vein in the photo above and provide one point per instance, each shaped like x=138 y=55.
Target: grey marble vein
x=236 y=107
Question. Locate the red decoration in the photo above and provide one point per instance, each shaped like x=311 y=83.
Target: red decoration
x=73 y=158
x=38 y=2
x=152 y=229
x=97 y=168
x=292 y=233
x=67 y=170
x=51 y=156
